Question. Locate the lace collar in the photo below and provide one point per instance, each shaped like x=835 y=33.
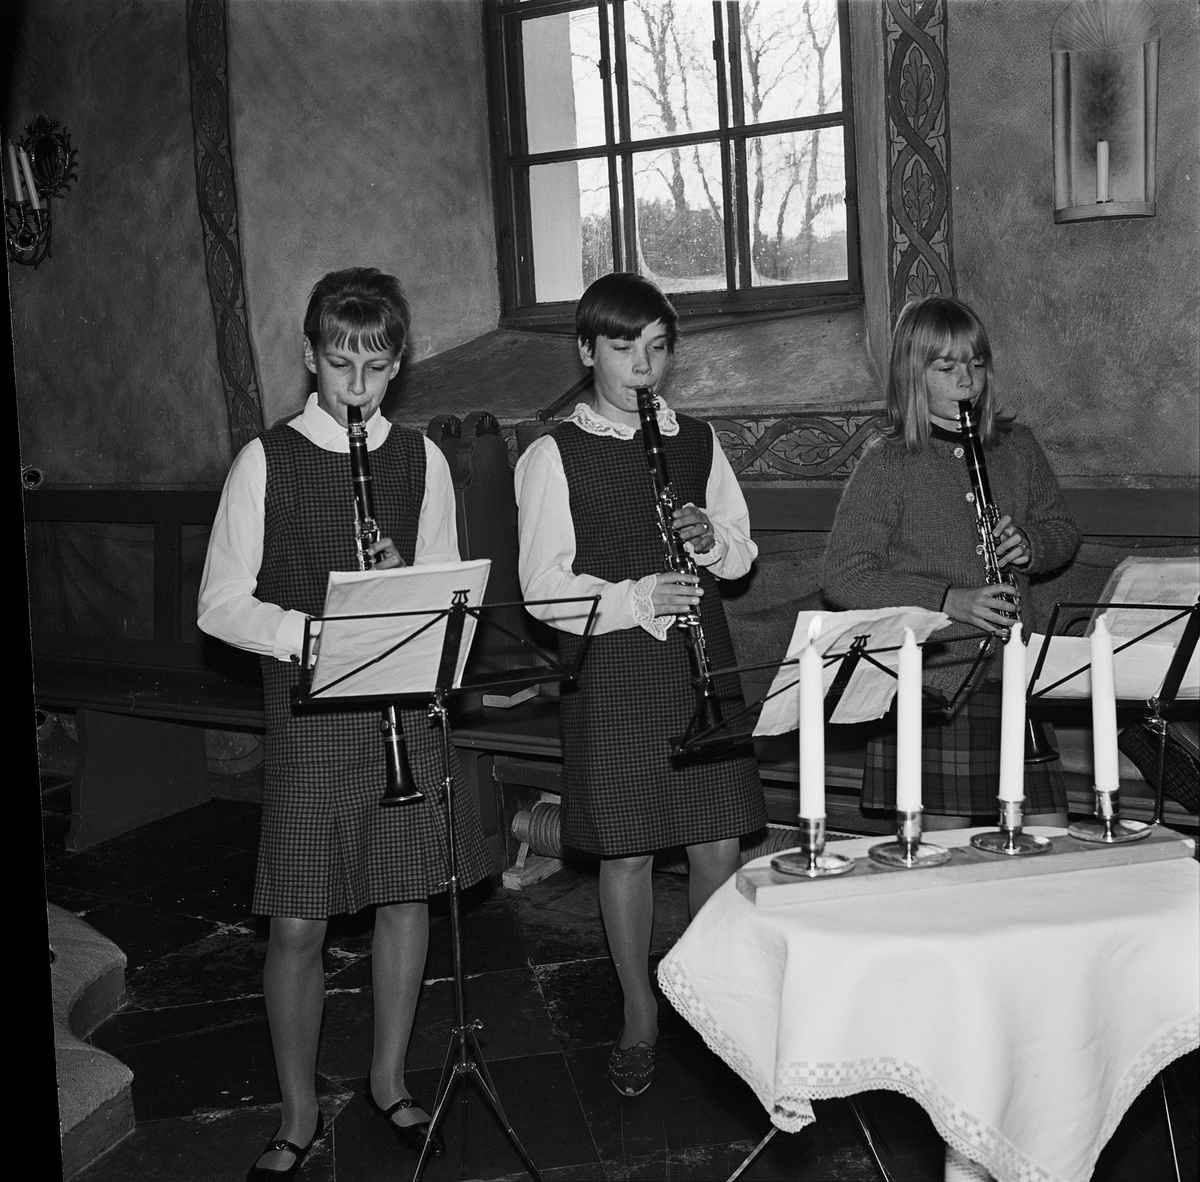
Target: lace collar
x=588 y=420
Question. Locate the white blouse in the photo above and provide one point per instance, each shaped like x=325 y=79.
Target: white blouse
x=547 y=535
x=229 y=609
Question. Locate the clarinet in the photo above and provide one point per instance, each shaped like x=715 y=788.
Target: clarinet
x=987 y=517
x=401 y=788
x=678 y=560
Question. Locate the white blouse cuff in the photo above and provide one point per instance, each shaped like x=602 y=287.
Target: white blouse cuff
x=709 y=557
x=643 y=609
x=289 y=640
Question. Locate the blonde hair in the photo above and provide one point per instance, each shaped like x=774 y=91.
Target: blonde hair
x=926 y=329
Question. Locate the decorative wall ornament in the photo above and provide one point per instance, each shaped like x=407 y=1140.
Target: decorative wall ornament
x=920 y=252
x=1104 y=60
x=217 y=201
x=823 y=445
x=41 y=165
x=819 y=446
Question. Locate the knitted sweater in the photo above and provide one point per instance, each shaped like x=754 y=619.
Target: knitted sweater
x=905 y=533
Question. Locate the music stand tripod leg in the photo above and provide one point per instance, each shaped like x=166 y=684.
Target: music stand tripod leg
x=752 y=1155
x=459 y=1060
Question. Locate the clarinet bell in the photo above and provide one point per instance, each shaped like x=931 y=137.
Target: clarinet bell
x=709 y=710
x=1038 y=748
x=401 y=788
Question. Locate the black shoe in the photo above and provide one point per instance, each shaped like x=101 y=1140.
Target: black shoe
x=261 y=1174
x=631 y=1071
x=409 y=1136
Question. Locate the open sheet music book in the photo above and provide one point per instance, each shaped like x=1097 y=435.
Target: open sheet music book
x=391 y=655
x=870 y=690
x=1140 y=668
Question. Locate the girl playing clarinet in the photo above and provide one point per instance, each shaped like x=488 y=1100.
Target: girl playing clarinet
x=588 y=527
x=905 y=535
x=287 y=519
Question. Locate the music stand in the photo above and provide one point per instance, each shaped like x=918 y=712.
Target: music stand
x=854 y=630
x=1160 y=702
x=445 y=677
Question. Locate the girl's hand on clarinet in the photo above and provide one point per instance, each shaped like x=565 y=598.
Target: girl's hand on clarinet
x=1012 y=547
x=385 y=555
x=988 y=608
x=675 y=593
x=693 y=526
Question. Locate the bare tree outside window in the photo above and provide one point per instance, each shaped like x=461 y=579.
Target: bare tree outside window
x=704 y=145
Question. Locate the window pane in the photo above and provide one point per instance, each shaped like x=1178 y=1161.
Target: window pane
x=670 y=68
x=680 y=225
x=571 y=227
x=564 y=102
x=791 y=59
x=797 y=186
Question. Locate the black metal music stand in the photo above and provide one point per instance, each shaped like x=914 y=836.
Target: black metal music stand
x=464 y=1059
x=1161 y=704
x=726 y=733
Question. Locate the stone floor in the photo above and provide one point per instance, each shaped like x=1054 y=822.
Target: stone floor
x=174 y=895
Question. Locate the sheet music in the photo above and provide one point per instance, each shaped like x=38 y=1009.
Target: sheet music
x=345 y=644
x=1139 y=669
x=1149 y=580
x=870 y=690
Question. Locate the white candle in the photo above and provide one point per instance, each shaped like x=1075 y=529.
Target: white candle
x=908 y=726
x=1012 y=718
x=1101 y=170
x=34 y=199
x=1104 y=709
x=812 y=727
x=14 y=172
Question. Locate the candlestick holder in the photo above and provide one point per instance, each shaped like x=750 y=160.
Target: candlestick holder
x=51 y=169
x=908 y=852
x=27 y=232
x=811 y=861
x=1009 y=839
x=1106 y=827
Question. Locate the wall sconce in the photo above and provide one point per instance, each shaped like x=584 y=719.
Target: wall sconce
x=41 y=165
x=1105 y=64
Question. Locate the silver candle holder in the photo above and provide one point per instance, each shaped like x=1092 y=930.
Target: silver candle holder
x=1106 y=827
x=811 y=860
x=908 y=852
x=1009 y=839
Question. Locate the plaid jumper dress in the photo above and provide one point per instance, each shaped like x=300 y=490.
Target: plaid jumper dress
x=326 y=845
x=623 y=791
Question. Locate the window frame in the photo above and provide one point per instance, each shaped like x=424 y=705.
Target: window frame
x=511 y=162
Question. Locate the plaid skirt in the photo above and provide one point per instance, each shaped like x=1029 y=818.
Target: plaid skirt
x=960 y=764
x=327 y=847
x=624 y=793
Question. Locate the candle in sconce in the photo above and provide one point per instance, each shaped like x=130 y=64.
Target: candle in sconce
x=1012 y=718
x=17 y=197
x=1104 y=708
x=908 y=726
x=812 y=727
x=34 y=199
x=1101 y=171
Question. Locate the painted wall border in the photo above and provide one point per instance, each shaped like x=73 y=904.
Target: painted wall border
x=216 y=199
x=817 y=447
x=920 y=242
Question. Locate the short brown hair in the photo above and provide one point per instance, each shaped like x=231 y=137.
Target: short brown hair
x=360 y=305
x=619 y=306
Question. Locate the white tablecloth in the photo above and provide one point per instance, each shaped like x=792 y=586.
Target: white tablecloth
x=1023 y=1015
